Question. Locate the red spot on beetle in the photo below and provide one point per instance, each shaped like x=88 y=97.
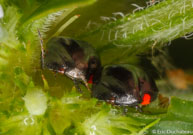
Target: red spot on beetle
x=146 y=99
x=91 y=79
x=61 y=70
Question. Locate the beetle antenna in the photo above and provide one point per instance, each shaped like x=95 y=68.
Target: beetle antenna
x=42 y=49
x=87 y=86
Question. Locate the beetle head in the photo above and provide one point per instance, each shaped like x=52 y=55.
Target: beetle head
x=93 y=69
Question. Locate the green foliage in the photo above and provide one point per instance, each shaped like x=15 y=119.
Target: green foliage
x=27 y=105
x=35 y=9
x=178 y=119
x=35 y=101
x=138 y=32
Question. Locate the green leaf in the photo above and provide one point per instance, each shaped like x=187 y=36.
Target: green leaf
x=78 y=113
x=181 y=110
x=178 y=121
x=35 y=101
x=110 y=123
x=59 y=118
x=139 y=32
x=49 y=6
x=21 y=124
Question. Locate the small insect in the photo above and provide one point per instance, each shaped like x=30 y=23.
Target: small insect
x=76 y=59
x=116 y=84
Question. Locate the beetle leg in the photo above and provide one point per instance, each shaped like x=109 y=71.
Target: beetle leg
x=86 y=84
x=54 y=75
x=138 y=108
x=76 y=84
x=125 y=110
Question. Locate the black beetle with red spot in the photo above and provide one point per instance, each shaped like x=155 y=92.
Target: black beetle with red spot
x=118 y=85
x=79 y=61
x=76 y=59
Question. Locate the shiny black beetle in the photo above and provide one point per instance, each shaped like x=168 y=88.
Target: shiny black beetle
x=118 y=85
x=74 y=58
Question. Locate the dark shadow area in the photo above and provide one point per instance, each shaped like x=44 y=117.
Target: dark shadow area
x=181 y=52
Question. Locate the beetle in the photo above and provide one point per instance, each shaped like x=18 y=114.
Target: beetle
x=118 y=85
x=76 y=59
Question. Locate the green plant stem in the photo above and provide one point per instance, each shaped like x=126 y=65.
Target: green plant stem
x=161 y=23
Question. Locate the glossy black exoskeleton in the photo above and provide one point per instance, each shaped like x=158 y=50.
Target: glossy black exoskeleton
x=74 y=58
x=118 y=85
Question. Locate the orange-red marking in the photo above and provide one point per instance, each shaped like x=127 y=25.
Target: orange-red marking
x=146 y=99
x=91 y=79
